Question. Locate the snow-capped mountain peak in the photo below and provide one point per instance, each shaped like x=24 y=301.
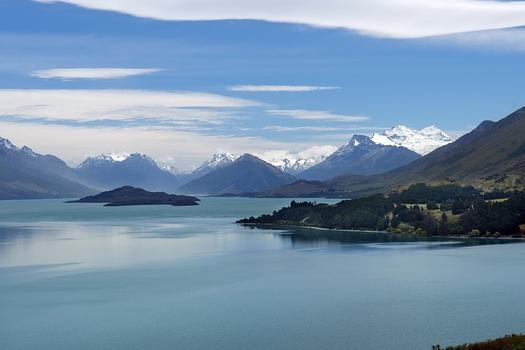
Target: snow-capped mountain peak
x=357 y=141
x=295 y=163
x=5 y=143
x=112 y=158
x=220 y=159
x=173 y=170
x=28 y=151
x=421 y=141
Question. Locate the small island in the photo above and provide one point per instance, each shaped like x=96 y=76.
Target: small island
x=131 y=196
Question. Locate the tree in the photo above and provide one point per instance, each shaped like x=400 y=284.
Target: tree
x=395 y=222
x=474 y=233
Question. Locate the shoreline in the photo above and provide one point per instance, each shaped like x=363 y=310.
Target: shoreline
x=507 y=238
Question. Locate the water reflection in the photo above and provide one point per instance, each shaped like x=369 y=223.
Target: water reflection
x=300 y=237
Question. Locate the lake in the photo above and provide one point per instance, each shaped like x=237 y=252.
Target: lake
x=84 y=276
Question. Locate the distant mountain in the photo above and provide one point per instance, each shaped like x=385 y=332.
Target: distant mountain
x=491 y=157
x=107 y=171
x=25 y=174
x=173 y=170
x=218 y=161
x=246 y=174
x=421 y=141
x=360 y=156
x=295 y=163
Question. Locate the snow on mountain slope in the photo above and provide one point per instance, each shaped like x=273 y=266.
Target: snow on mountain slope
x=111 y=158
x=219 y=160
x=295 y=163
x=421 y=141
x=6 y=144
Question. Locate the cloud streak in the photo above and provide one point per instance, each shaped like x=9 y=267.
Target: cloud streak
x=91 y=73
x=302 y=114
x=383 y=18
x=121 y=105
x=281 y=88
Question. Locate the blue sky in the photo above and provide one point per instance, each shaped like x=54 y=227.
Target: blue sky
x=77 y=81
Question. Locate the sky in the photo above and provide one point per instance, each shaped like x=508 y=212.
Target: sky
x=180 y=80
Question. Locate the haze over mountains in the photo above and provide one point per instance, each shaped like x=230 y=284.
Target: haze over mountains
x=116 y=170
x=224 y=173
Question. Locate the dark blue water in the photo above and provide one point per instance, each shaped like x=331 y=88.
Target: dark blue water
x=76 y=276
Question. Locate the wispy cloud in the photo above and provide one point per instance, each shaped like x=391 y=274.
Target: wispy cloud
x=500 y=40
x=91 y=73
x=281 y=88
x=280 y=128
x=122 y=105
x=384 y=18
x=316 y=115
x=325 y=129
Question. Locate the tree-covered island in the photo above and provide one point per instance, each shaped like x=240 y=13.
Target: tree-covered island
x=446 y=210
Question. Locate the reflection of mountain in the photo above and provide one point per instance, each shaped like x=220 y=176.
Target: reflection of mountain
x=246 y=174
x=26 y=174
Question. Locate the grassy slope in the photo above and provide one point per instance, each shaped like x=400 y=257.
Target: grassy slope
x=511 y=342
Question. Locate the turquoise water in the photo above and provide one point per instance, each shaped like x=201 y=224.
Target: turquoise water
x=82 y=276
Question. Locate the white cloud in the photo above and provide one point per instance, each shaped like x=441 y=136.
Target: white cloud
x=505 y=39
x=280 y=88
x=315 y=115
x=92 y=105
x=385 y=18
x=91 y=73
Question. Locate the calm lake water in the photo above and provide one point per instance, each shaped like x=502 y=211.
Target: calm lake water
x=82 y=276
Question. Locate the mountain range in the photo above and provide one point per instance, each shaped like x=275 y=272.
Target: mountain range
x=360 y=156
x=223 y=173
x=25 y=174
x=116 y=170
x=491 y=157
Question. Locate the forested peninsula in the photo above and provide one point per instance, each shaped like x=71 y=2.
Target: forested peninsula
x=446 y=210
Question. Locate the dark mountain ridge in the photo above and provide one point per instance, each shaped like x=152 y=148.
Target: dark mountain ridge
x=25 y=174
x=247 y=174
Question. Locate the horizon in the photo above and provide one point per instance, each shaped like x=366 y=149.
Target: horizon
x=272 y=156
x=82 y=78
